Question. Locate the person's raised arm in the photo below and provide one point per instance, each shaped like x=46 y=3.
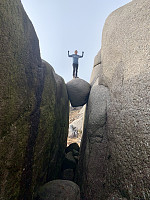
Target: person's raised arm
x=69 y=55
x=82 y=54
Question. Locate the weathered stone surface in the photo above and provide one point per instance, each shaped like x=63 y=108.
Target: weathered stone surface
x=53 y=128
x=94 y=146
x=59 y=190
x=33 y=131
x=78 y=92
x=125 y=67
x=97 y=76
x=97 y=59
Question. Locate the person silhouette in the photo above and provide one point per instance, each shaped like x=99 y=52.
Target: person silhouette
x=75 y=57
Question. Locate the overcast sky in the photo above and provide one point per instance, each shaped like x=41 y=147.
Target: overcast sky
x=63 y=25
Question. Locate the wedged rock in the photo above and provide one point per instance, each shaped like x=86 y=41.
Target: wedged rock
x=78 y=92
x=59 y=190
x=71 y=147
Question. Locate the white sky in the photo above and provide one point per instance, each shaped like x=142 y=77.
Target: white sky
x=63 y=25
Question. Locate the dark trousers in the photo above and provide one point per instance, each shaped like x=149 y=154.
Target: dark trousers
x=75 y=70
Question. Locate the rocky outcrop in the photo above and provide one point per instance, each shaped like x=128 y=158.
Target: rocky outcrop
x=78 y=92
x=33 y=107
x=59 y=190
x=115 y=149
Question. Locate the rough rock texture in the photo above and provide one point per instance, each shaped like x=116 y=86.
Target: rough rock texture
x=97 y=76
x=125 y=70
x=59 y=190
x=32 y=101
x=78 y=92
x=53 y=128
x=94 y=146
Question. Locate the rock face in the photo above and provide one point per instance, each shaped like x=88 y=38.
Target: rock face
x=94 y=146
x=59 y=190
x=115 y=148
x=78 y=91
x=33 y=108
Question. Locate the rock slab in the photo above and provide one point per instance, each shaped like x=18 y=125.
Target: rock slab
x=78 y=92
x=33 y=108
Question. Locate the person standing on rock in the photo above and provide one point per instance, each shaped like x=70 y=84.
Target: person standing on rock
x=75 y=62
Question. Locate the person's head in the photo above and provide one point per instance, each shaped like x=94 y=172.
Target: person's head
x=76 y=52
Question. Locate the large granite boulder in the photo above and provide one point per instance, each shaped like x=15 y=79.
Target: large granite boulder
x=125 y=71
x=78 y=91
x=59 y=190
x=33 y=113
x=94 y=146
